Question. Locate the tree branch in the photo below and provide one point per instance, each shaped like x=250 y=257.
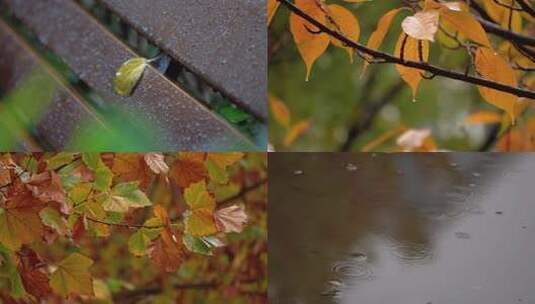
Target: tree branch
x=526 y=7
x=364 y=123
x=413 y=64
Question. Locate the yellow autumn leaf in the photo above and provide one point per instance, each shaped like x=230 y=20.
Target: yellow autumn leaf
x=128 y=76
x=347 y=24
x=272 y=6
x=501 y=14
x=490 y=65
x=310 y=44
x=422 y=25
x=72 y=276
x=280 y=112
x=413 y=50
x=461 y=21
x=297 y=130
x=483 y=117
x=377 y=37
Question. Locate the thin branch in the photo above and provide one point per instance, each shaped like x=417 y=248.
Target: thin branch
x=362 y=124
x=490 y=26
x=413 y=64
x=526 y=7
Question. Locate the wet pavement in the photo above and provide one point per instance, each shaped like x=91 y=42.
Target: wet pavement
x=401 y=228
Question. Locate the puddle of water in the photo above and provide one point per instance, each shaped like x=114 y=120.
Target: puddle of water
x=403 y=228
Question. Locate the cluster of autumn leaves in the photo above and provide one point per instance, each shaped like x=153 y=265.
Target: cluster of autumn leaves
x=451 y=24
x=44 y=197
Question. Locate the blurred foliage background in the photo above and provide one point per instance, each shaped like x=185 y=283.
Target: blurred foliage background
x=339 y=102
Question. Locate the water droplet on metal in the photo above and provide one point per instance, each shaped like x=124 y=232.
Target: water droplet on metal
x=299 y=172
x=476 y=174
x=351 y=167
x=462 y=235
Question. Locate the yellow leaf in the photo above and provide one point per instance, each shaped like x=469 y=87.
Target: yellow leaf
x=297 y=130
x=492 y=66
x=72 y=276
x=422 y=26
x=223 y=160
x=483 y=117
x=128 y=76
x=347 y=23
x=281 y=114
x=461 y=21
x=311 y=45
x=377 y=37
x=501 y=14
x=200 y=222
x=411 y=51
x=272 y=6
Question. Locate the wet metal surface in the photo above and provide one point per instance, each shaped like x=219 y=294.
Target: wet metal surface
x=94 y=55
x=224 y=41
x=401 y=228
x=64 y=114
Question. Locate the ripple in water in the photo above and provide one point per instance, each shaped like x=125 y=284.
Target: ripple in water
x=412 y=253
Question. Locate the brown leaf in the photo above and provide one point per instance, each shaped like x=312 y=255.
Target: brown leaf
x=130 y=167
x=167 y=251
x=19 y=221
x=188 y=168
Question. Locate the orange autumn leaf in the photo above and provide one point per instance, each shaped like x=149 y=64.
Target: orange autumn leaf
x=501 y=14
x=483 y=117
x=490 y=65
x=345 y=22
x=167 y=251
x=311 y=45
x=297 y=130
x=188 y=168
x=461 y=21
x=377 y=37
x=128 y=167
x=413 y=50
x=281 y=114
x=272 y=6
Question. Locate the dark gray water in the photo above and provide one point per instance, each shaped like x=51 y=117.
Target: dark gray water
x=401 y=228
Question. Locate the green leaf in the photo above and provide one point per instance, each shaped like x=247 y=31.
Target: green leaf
x=72 y=276
x=140 y=240
x=128 y=76
x=92 y=160
x=59 y=159
x=103 y=178
x=216 y=173
x=80 y=193
x=124 y=196
x=202 y=245
x=53 y=219
x=9 y=268
x=234 y=115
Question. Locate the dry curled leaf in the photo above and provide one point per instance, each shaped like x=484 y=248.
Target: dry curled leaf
x=422 y=26
x=156 y=162
x=231 y=219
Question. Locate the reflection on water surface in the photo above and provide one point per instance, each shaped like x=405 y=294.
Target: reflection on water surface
x=401 y=228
